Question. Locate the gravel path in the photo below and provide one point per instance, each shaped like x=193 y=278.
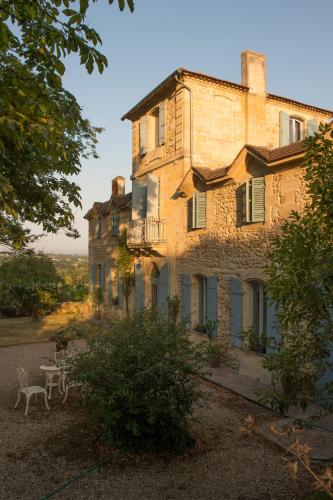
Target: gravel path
x=41 y=451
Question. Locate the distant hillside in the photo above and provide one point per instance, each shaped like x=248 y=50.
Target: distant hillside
x=73 y=268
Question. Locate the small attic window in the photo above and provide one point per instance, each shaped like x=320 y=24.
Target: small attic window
x=295 y=129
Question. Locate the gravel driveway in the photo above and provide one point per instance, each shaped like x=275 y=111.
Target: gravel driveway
x=41 y=451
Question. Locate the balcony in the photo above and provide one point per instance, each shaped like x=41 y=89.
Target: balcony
x=144 y=233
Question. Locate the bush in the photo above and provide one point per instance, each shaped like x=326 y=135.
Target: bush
x=143 y=380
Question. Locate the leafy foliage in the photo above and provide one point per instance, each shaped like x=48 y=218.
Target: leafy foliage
x=301 y=282
x=43 y=135
x=142 y=380
x=29 y=282
x=124 y=269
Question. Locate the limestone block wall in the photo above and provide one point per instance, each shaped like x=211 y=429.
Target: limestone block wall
x=225 y=250
x=174 y=126
x=218 y=121
x=273 y=108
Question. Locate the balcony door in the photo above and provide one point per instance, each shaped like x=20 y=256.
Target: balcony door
x=155 y=275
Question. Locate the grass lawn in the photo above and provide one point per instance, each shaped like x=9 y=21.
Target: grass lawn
x=15 y=331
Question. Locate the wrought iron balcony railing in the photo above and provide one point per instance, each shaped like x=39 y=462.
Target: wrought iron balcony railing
x=145 y=232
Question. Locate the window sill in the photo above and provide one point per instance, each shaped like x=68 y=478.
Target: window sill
x=253 y=226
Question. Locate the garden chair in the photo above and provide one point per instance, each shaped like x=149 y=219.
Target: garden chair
x=28 y=391
x=61 y=360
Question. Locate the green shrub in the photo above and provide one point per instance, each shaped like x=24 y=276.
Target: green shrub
x=142 y=376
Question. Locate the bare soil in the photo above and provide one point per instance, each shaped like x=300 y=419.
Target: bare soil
x=42 y=451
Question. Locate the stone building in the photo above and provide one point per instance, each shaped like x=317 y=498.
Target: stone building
x=216 y=167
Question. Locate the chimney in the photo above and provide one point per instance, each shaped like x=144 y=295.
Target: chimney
x=118 y=186
x=254 y=71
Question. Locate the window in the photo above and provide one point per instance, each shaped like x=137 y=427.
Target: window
x=257 y=316
x=99 y=228
x=158 y=126
x=202 y=300
x=250 y=201
x=115 y=223
x=295 y=129
x=197 y=211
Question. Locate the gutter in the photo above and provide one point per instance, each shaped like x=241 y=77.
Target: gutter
x=191 y=116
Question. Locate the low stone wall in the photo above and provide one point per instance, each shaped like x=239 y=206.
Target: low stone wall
x=82 y=308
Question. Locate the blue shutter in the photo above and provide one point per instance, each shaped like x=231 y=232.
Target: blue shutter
x=143 y=135
x=200 y=210
x=258 y=199
x=139 y=287
x=163 y=290
x=108 y=281
x=161 y=124
x=153 y=188
x=93 y=275
x=236 y=303
x=120 y=293
x=139 y=200
x=273 y=332
x=186 y=299
x=284 y=129
x=312 y=127
x=115 y=223
x=212 y=302
x=102 y=277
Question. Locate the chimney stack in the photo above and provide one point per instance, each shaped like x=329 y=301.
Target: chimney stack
x=118 y=186
x=254 y=71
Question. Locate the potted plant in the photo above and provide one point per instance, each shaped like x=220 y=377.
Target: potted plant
x=214 y=352
x=65 y=334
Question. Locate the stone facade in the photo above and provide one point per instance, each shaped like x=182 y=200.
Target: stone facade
x=209 y=123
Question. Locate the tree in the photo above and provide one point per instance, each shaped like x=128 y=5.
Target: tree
x=301 y=282
x=43 y=135
x=125 y=270
x=29 y=282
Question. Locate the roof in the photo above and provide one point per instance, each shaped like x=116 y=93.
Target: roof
x=270 y=155
x=102 y=208
x=209 y=175
x=181 y=72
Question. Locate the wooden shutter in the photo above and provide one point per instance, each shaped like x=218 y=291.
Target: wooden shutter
x=200 y=210
x=153 y=188
x=115 y=223
x=139 y=200
x=212 y=302
x=143 y=135
x=186 y=299
x=273 y=332
x=241 y=205
x=161 y=124
x=120 y=293
x=236 y=309
x=109 y=283
x=248 y=201
x=93 y=269
x=102 y=277
x=312 y=127
x=284 y=129
x=163 y=290
x=258 y=199
x=139 y=287
x=190 y=214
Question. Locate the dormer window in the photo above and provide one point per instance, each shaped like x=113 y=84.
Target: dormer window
x=295 y=129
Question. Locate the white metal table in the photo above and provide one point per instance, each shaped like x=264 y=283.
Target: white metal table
x=52 y=372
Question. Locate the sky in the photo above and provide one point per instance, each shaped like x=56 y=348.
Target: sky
x=202 y=35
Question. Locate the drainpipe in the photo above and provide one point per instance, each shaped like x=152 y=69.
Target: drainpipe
x=191 y=117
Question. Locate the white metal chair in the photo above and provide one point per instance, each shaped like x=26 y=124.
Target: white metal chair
x=27 y=390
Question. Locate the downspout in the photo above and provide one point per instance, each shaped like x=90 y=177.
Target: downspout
x=191 y=117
